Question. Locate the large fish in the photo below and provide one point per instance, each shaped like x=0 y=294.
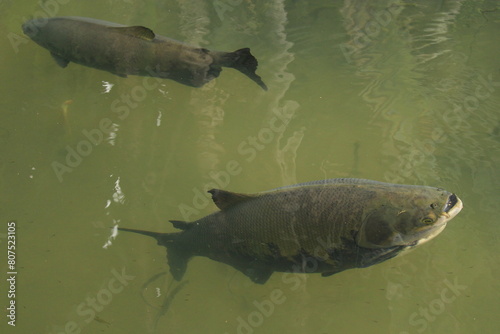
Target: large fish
x=136 y=50
x=322 y=227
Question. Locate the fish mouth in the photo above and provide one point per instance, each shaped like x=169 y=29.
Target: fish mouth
x=29 y=29
x=452 y=206
x=452 y=200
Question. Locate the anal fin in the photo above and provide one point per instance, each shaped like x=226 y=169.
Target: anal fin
x=177 y=261
x=258 y=275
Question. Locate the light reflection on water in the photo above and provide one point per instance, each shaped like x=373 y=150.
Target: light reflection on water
x=397 y=92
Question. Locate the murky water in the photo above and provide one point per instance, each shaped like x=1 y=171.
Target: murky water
x=404 y=92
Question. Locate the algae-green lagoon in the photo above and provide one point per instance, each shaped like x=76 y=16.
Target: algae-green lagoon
x=399 y=92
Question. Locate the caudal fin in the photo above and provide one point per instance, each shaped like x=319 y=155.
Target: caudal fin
x=245 y=62
x=155 y=235
x=177 y=257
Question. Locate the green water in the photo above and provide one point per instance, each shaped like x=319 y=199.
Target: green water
x=403 y=92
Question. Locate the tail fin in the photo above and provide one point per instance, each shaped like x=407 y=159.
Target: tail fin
x=177 y=257
x=245 y=62
x=157 y=236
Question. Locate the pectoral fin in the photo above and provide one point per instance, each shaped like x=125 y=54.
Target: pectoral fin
x=60 y=60
x=136 y=31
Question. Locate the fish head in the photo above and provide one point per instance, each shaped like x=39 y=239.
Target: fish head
x=408 y=218
x=43 y=30
x=32 y=28
x=47 y=33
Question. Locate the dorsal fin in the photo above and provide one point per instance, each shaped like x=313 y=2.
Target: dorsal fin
x=136 y=31
x=224 y=199
x=181 y=225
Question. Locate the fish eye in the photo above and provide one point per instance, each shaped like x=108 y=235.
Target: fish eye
x=427 y=220
x=434 y=205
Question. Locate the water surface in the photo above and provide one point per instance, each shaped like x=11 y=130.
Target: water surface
x=385 y=90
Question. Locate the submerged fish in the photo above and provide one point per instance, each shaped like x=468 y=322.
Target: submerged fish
x=322 y=227
x=136 y=50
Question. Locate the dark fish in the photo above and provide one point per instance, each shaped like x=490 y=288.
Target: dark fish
x=135 y=50
x=322 y=227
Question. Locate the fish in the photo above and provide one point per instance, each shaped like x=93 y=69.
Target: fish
x=134 y=50
x=324 y=227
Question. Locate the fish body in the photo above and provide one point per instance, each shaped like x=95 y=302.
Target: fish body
x=322 y=227
x=134 y=50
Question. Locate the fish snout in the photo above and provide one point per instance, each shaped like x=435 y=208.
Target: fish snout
x=31 y=28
